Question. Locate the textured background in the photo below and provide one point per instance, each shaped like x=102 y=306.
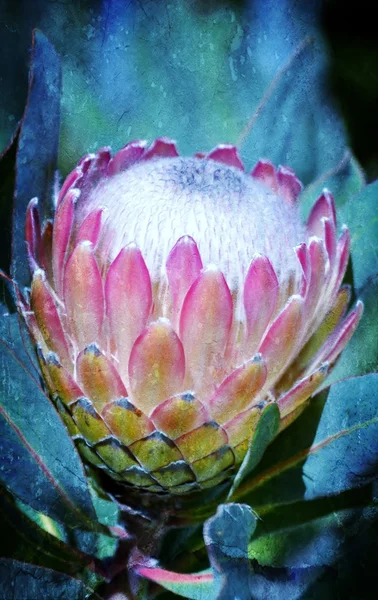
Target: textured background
x=191 y=69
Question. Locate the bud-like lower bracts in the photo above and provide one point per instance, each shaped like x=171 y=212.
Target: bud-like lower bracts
x=173 y=299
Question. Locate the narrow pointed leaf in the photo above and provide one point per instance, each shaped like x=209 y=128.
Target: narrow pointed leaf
x=266 y=430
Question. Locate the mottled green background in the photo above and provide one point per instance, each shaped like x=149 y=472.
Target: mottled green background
x=193 y=70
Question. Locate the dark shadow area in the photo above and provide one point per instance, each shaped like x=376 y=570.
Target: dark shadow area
x=353 y=44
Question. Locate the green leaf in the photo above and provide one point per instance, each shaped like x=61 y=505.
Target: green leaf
x=22 y=539
x=344 y=453
x=22 y=581
x=332 y=442
x=313 y=532
x=354 y=575
x=40 y=464
x=265 y=432
x=315 y=484
x=107 y=511
x=37 y=147
x=361 y=216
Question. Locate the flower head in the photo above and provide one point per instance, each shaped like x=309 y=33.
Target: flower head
x=173 y=298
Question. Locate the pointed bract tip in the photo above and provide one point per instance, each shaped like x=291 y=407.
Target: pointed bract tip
x=211 y=268
x=131 y=246
x=33 y=203
x=39 y=274
x=85 y=244
x=324 y=368
x=162 y=321
x=53 y=359
x=296 y=297
x=39 y=353
x=185 y=239
x=75 y=194
x=92 y=349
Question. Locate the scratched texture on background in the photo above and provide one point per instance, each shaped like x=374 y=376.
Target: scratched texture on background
x=252 y=74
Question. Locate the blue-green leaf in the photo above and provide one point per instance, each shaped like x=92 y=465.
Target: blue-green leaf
x=22 y=581
x=297 y=125
x=314 y=486
x=344 y=453
x=361 y=216
x=226 y=535
x=22 y=539
x=37 y=146
x=40 y=464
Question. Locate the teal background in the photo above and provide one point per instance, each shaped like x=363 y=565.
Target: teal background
x=188 y=69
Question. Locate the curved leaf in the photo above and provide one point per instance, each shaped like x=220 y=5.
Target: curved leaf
x=312 y=532
x=197 y=586
x=354 y=575
x=344 y=453
x=234 y=576
x=22 y=539
x=40 y=464
x=361 y=215
x=330 y=448
x=264 y=433
x=37 y=146
x=314 y=487
x=226 y=536
x=22 y=581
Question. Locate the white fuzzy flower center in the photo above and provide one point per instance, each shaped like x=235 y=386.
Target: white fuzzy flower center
x=230 y=215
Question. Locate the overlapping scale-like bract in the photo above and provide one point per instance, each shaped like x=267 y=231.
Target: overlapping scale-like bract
x=161 y=372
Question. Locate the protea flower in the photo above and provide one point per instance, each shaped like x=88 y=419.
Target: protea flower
x=174 y=298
